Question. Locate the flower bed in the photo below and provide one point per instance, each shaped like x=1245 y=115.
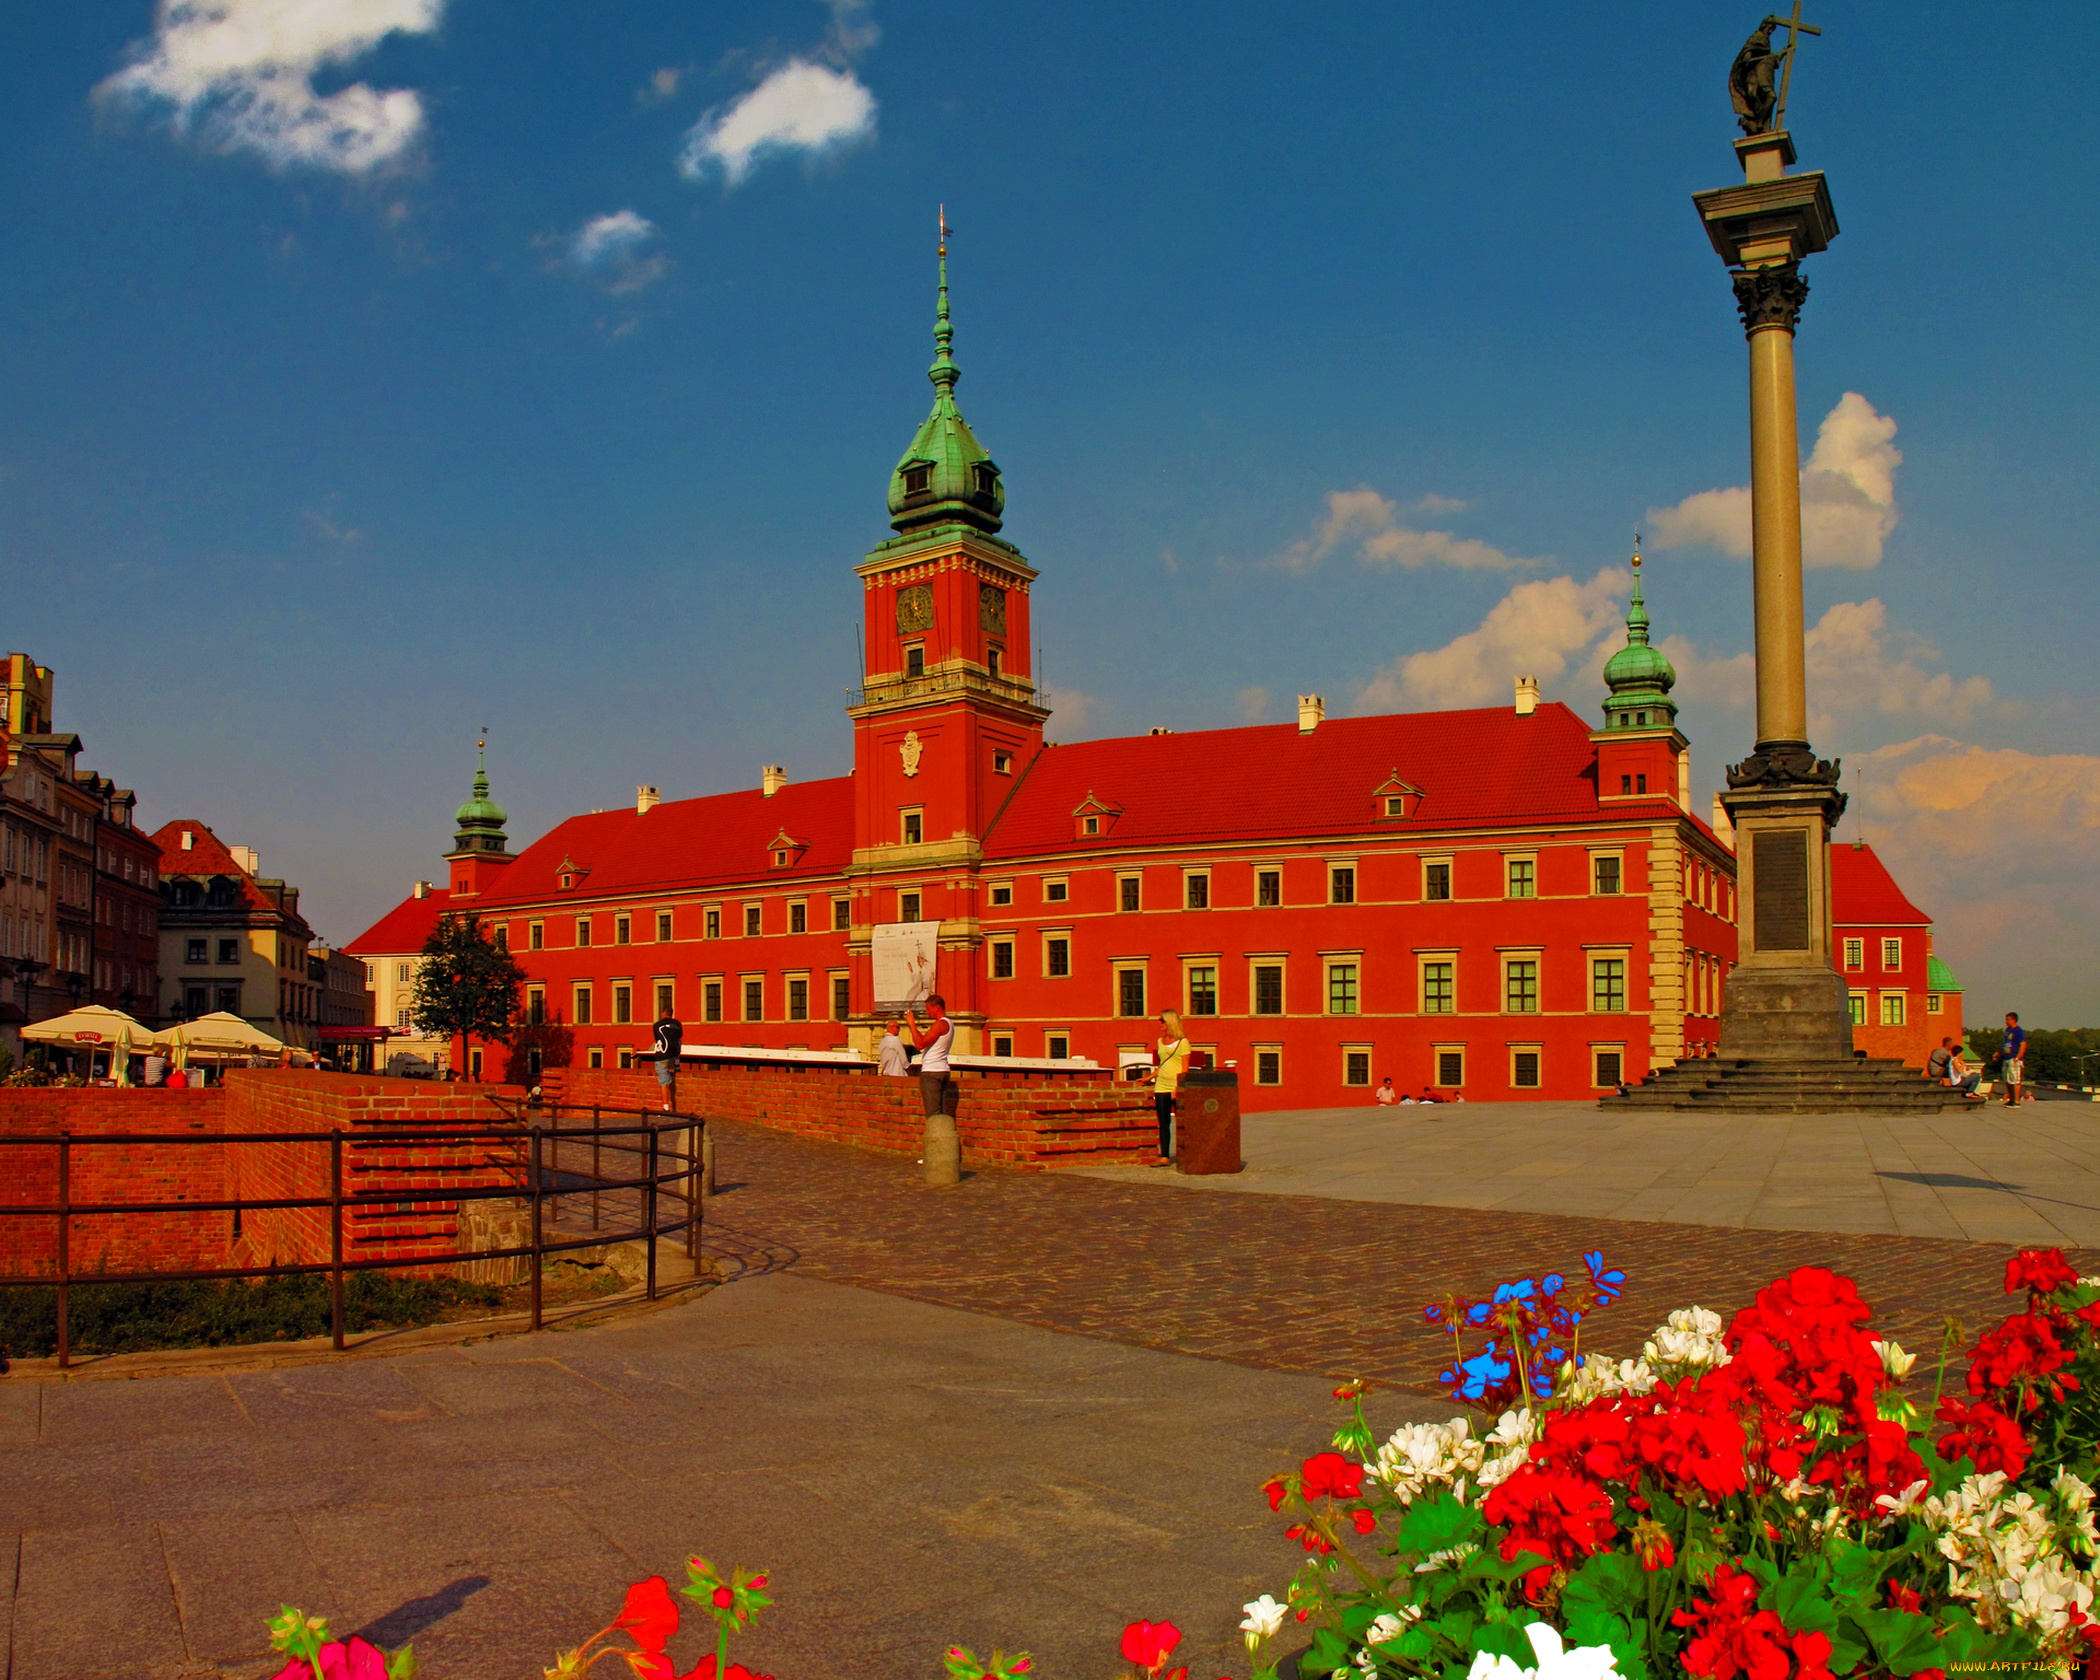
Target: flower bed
x=1774 y=1498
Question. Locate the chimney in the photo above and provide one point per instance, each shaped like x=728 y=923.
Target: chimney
x=644 y=799
x=1723 y=828
x=774 y=777
x=1311 y=709
x=247 y=857
x=1527 y=696
x=189 y=839
x=422 y=889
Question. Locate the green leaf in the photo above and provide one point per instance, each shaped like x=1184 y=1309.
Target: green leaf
x=1488 y=1564
x=1438 y=1524
x=1609 y=1582
x=1903 y=1641
x=402 y=1664
x=1328 y=1653
x=1506 y=1639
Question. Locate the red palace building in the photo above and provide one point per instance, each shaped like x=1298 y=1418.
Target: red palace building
x=1498 y=904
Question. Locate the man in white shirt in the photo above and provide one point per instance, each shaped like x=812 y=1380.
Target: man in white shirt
x=937 y=1090
x=1387 y=1096
x=892 y=1059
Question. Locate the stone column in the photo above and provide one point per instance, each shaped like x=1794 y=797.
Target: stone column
x=1784 y=1001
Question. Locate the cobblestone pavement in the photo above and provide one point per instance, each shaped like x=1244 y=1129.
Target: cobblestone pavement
x=1291 y=1283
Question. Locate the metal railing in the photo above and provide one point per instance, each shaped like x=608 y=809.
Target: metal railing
x=672 y=1151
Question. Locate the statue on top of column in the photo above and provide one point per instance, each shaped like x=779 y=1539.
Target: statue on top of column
x=1753 y=80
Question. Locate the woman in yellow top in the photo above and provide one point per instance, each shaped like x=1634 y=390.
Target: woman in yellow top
x=1171 y=1062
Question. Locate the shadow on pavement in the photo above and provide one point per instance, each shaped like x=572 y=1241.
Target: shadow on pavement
x=402 y=1623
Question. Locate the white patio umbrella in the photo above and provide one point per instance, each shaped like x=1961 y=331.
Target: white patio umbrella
x=92 y=1027
x=217 y=1035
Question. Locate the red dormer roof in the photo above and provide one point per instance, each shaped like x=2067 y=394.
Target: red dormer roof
x=405 y=929
x=1482 y=768
x=1864 y=894
x=685 y=843
x=207 y=855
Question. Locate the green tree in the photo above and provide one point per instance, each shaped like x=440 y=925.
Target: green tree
x=466 y=985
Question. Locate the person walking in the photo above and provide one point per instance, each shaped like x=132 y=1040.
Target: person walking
x=892 y=1059
x=1170 y=1064
x=2013 y=1059
x=937 y=1091
x=670 y=1039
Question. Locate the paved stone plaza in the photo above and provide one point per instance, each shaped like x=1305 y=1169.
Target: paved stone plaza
x=881 y=1409
x=1984 y=1175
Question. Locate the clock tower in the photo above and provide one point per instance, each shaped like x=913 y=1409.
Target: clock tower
x=947 y=719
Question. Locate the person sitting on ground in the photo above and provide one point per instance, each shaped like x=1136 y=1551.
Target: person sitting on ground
x=1387 y=1096
x=1962 y=1077
x=1936 y=1063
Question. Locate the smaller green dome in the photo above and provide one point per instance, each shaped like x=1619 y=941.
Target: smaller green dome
x=946 y=477
x=480 y=820
x=1639 y=676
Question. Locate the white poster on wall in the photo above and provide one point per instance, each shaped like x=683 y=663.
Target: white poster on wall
x=904 y=956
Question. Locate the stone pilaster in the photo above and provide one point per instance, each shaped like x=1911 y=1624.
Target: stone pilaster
x=1666 y=999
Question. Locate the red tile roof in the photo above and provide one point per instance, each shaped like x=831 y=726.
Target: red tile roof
x=1483 y=767
x=206 y=855
x=1864 y=894
x=680 y=843
x=405 y=928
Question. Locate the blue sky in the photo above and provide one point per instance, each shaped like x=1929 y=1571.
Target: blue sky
x=361 y=385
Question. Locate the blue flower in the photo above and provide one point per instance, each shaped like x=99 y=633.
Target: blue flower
x=1470 y=1379
x=1608 y=1285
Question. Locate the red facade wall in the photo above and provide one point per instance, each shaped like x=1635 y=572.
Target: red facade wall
x=1005 y=1119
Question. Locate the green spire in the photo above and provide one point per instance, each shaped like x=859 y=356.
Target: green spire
x=481 y=819
x=946 y=477
x=1639 y=676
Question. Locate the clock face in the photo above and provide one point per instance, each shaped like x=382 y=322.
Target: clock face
x=915 y=607
x=991 y=608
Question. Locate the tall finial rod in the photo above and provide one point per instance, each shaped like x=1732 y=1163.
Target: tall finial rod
x=944 y=373
x=1637 y=611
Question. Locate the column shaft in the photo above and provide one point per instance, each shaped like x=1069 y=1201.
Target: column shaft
x=1775 y=539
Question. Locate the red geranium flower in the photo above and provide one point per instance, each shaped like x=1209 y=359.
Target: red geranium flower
x=1309 y=1537
x=1276 y=1489
x=1552 y=1513
x=1365 y=1522
x=1147 y=1645
x=1980 y=1431
x=2022 y=1353
x=1734 y=1637
x=2039 y=1269
x=1904 y=1598
x=649 y=1615
x=1331 y=1474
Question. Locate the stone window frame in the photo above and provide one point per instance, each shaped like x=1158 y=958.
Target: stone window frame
x=798 y=911
x=1623 y=955
x=754 y=921
x=1002 y=945
x=584 y=933
x=1365 y=1051
x=711 y=921
x=841 y=924
x=536 y=936
x=1528 y=858
x=622 y=1002
x=1601 y=1047
x=1130 y=891
x=1279 y=961
x=1602 y=855
x=1212 y=963
x=1189 y=889
x=1444 y=956
x=1448 y=862
x=1268 y=1065
x=1336 y=868
x=714 y=999
x=1891 y=942
x=744 y=983
x=658 y=985
x=1261 y=870
x=623 y=928
x=1330 y=963
x=1900 y=1010
x=1119 y=969
x=1052 y=937
x=788 y=982
x=1004 y=1038
x=1536 y=1050
x=1056 y=889
x=1854 y=949
x=910 y=817
x=535 y=1005
x=835 y=978
x=666 y=925
x=1057 y=1046
x=992 y=890
x=582 y=997
x=912 y=897
x=1536 y=957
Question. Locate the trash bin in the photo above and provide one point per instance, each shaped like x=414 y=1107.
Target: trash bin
x=1207 y=1124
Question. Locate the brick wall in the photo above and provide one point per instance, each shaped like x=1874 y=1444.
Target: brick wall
x=251 y=1101
x=1019 y=1119
x=129 y=1172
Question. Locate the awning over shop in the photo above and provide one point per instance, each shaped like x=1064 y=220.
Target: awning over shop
x=355 y=1035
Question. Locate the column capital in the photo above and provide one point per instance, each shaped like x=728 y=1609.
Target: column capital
x=1769 y=297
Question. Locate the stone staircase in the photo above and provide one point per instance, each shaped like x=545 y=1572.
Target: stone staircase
x=1834 y=1085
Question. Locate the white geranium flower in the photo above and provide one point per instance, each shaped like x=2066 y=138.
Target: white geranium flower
x=1388 y=1626
x=1264 y=1617
x=1421 y=1455
x=1597 y=1376
x=1585 y=1662
x=1894 y=1360
x=1686 y=1343
x=1894 y=1505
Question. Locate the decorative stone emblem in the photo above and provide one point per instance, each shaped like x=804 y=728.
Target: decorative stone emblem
x=991 y=608
x=909 y=750
x=915 y=608
x=1770 y=297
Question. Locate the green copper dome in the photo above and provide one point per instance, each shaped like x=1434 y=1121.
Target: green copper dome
x=946 y=477
x=480 y=820
x=1639 y=676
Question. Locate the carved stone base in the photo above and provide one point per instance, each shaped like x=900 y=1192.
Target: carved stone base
x=1786 y=1014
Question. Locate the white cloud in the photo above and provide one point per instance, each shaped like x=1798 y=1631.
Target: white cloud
x=2002 y=849
x=239 y=74
x=1538 y=629
x=613 y=249
x=802 y=106
x=1848 y=497
x=1253 y=704
x=1856 y=664
x=1077 y=714
x=1369 y=522
x=662 y=84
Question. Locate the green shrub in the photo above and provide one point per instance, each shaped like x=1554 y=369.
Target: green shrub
x=136 y=1317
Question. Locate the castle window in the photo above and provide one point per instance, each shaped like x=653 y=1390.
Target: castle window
x=915 y=662
x=841 y=914
x=1858 y=1001
x=1892 y=953
x=1524 y=1069
x=1436 y=881
x=623 y=930
x=1606 y=875
x=1356 y=1067
x=917 y=480
x=841 y=997
x=992 y=659
x=1640 y=784
x=1626 y=784
x=663 y=926
x=1056 y=892
x=754 y=1000
x=1268 y=989
x=623 y=1005
x=1202 y=987
x=1197 y=888
x=1438 y=987
x=1855 y=953
x=1396 y=804
x=663 y=998
x=987 y=480
x=1268 y=888
x=1341 y=885
x=1002 y=762
x=711 y=1000
x=1522 y=878
x=711 y=922
x=798 y=917
x=1608 y=985
x=1002 y=959
x=1057 y=958
x=1892 y=1009
x=1268 y=1067
x=1002 y=895
x=751 y=921
x=908 y=904
x=1520 y=986
x=1057 y=1047
x=1130 y=992
x=1609 y=1064
x=1092 y=825
x=798 y=1000
x=583 y=930
x=1128 y=889
x=914 y=827
x=1341 y=988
